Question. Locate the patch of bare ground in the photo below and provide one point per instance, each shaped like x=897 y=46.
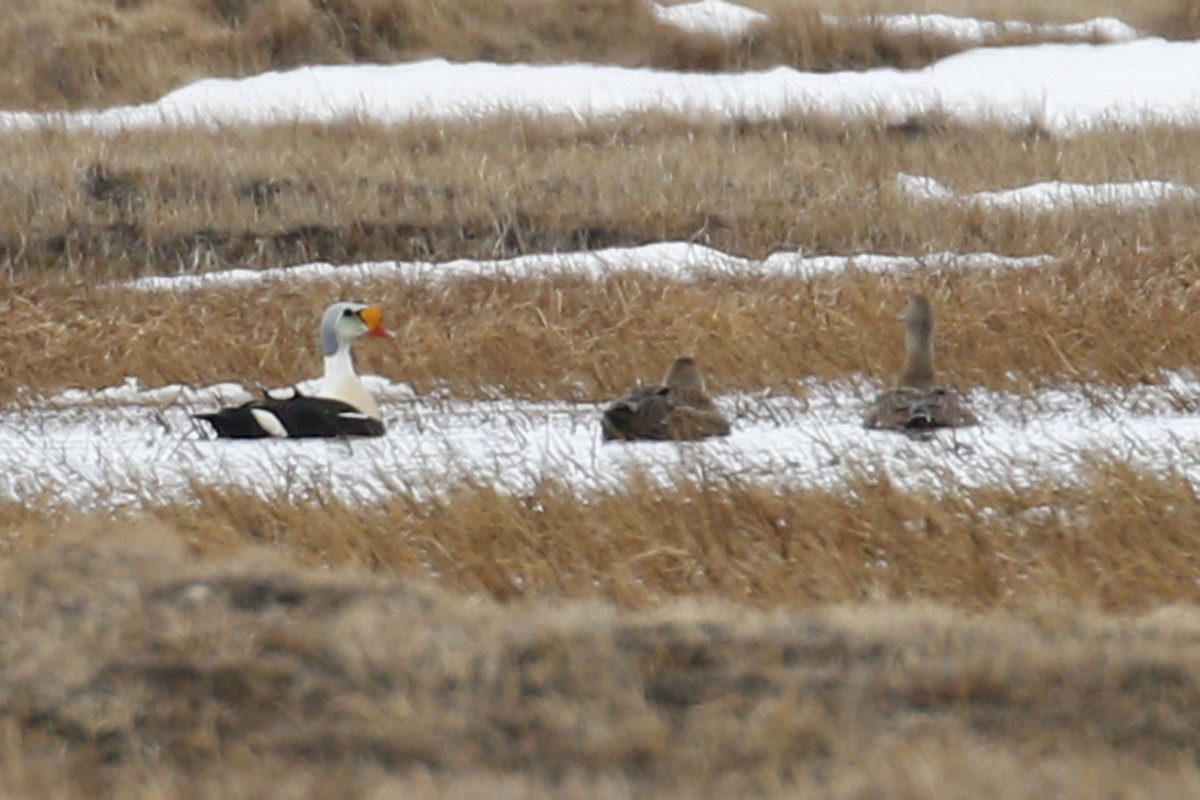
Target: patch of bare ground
x=128 y=664
x=73 y=53
x=1121 y=321
x=100 y=206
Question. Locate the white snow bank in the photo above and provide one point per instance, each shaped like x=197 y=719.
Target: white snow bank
x=730 y=19
x=970 y=30
x=678 y=260
x=709 y=16
x=1051 y=195
x=1062 y=88
x=147 y=447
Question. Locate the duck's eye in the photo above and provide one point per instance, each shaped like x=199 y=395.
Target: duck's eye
x=349 y=312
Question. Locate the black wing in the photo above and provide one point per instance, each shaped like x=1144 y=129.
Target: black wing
x=301 y=416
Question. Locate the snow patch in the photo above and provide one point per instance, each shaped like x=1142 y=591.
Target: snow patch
x=150 y=449
x=731 y=20
x=1062 y=88
x=970 y=30
x=709 y=17
x=679 y=260
x=1051 y=195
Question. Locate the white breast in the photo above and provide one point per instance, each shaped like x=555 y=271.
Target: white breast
x=349 y=389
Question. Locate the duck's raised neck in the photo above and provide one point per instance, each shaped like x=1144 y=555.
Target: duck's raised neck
x=918 y=344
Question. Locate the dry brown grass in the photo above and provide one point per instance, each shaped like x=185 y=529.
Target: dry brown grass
x=131 y=670
x=1124 y=540
x=71 y=53
x=1121 y=540
x=1118 y=321
x=170 y=201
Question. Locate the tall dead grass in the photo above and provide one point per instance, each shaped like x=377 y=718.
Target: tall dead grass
x=100 y=206
x=1122 y=321
x=72 y=53
x=1122 y=539
x=133 y=670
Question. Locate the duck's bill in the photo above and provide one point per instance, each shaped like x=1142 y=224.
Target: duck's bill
x=373 y=316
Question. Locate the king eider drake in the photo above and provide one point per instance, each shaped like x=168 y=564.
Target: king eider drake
x=341 y=406
x=918 y=403
x=679 y=409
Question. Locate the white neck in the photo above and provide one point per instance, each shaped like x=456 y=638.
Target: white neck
x=341 y=382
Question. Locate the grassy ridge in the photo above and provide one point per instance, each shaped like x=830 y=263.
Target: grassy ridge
x=173 y=677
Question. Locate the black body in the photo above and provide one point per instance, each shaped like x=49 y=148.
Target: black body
x=303 y=417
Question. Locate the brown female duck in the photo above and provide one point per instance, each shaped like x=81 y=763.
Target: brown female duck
x=918 y=402
x=678 y=409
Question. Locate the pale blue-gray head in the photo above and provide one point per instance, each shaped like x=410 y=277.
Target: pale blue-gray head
x=344 y=322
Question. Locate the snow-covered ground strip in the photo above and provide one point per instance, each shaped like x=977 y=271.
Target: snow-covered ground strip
x=125 y=446
x=1051 y=195
x=678 y=260
x=1064 y=88
x=970 y=30
x=730 y=20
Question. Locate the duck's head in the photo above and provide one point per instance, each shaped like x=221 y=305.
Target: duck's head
x=345 y=322
x=684 y=374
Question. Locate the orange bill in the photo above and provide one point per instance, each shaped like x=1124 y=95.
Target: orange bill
x=373 y=316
